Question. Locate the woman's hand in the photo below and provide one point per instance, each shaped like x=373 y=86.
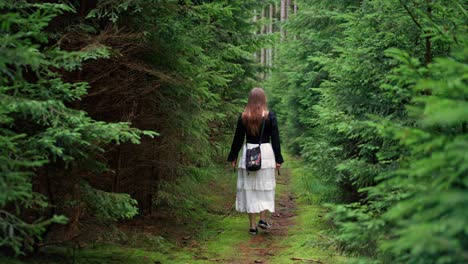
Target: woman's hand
x=233 y=163
x=278 y=166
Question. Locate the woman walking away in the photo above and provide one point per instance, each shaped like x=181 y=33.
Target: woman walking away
x=256 y=189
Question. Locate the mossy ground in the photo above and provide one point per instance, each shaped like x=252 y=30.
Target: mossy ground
x=308 y=239
x=219 y=234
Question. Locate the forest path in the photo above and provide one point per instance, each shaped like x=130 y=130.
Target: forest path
x=263 y=247
x=299 y=232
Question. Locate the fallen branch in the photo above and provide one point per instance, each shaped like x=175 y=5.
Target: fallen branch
x=309 y=260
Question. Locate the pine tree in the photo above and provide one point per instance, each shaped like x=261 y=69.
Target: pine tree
x=375 y=99
x=38 y=129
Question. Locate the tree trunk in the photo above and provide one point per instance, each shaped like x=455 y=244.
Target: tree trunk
x=270 y=31
x=428 y=54
x=295 y=12
x=116 y=185
x=283 y=16
x=284 y=10
x=262 y=53
x=276 y=27
x=254 y=19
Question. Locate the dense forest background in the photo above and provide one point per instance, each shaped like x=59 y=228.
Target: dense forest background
x=106 y=103
x=374 y=96
x=108 y=107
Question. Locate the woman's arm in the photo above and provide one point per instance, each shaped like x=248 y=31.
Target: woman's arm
x=237 y=141
x=275 y=140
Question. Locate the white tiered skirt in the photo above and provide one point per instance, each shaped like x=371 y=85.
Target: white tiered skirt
x=256 y=189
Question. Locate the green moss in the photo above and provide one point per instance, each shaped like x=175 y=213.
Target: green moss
x=231 y=231
x=105 y=254
x=307 y=239
x=9 y=260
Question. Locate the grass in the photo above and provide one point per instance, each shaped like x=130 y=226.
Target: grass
x=308 y=238
x=222 y=245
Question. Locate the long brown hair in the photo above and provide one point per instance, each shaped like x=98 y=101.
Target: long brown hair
x=256 y=106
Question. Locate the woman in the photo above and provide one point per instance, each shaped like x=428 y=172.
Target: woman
x=256 y=189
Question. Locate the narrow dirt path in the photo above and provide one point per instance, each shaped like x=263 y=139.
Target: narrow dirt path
x=262 y=248
x=298 y=235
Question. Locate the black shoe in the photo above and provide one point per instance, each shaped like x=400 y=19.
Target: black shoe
x=264 y=224
x=253 y=231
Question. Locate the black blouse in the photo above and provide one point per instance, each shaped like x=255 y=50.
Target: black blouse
x=270 y=133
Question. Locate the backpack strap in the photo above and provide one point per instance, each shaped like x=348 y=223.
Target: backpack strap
x=261 y=133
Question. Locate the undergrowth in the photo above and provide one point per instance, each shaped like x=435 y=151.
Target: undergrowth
x=311 y=188
x=199 y=207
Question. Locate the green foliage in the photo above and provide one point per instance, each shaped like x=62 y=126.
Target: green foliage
x=376 y=103
x=192 y=197
x=433 y=173
x=109 y=206
x=206 y=47
x=111 y=10
x=37 y=127
x=197 y=56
